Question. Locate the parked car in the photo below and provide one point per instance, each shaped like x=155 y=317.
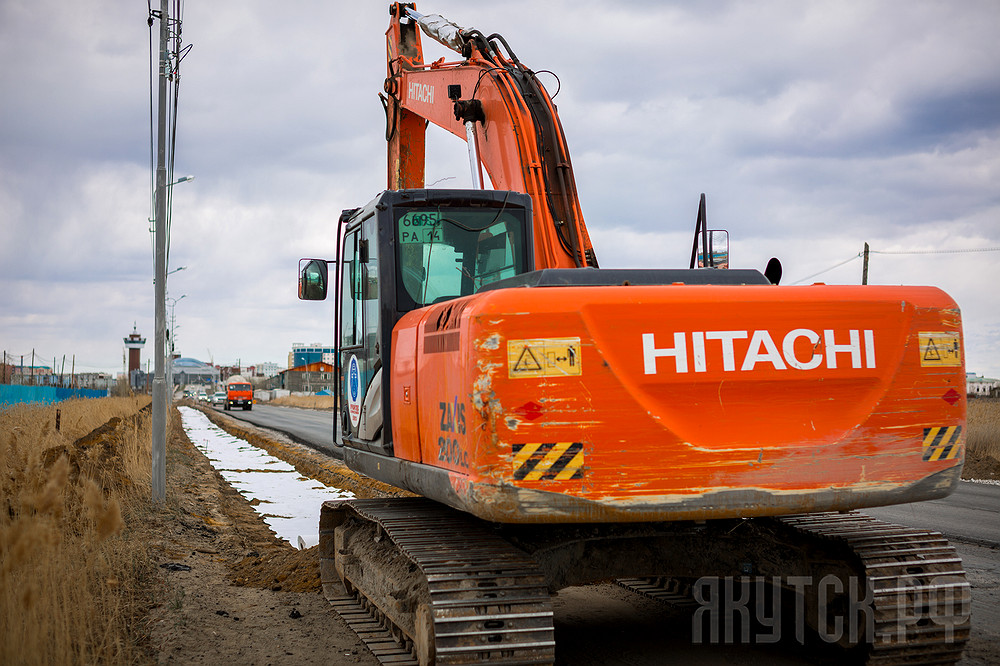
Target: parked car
x=219 y=398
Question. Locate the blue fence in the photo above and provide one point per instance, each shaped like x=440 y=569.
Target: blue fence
x=46 y=395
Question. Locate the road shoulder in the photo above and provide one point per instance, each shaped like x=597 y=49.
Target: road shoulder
x=229 y=591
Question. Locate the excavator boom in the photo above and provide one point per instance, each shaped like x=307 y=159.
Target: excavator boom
x=504 y=113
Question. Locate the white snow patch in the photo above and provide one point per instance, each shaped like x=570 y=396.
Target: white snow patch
x=289 y=502
x=991 y=482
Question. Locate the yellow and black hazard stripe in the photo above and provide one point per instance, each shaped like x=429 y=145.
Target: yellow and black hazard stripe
x=941 y=443
x=559 y=461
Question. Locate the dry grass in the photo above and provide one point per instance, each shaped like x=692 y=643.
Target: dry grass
x=984 y=427
x=305 y=401
x=69 y=575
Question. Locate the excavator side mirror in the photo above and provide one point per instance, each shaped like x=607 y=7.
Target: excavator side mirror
x=718 y=249
x=313 y=276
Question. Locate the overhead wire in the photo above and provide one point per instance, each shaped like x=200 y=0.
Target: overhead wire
x=175 y=54
x=827 y=270
x=897 y=252
x=173 y=82
x=152 y=135
x=976 y=249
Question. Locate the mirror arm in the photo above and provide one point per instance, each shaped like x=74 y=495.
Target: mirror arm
x=699 y=227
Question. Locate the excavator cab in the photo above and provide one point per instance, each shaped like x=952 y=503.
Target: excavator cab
x=407 y=250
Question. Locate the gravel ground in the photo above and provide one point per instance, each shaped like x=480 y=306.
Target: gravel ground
x=230 y=592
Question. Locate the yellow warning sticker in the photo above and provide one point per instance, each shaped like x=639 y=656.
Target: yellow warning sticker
x=544 y=357
x=940 y=349
x=559 y=461
x=942 y=443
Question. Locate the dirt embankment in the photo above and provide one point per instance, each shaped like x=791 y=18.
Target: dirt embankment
x=979 y=465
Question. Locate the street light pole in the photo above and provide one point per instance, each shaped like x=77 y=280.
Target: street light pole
x=159 y=443
x=170 y=350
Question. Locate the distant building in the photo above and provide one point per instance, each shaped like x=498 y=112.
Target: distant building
x=31 y=371
x=309 y=378
x=192 y=371
x=266 y=369
x=981 y=386
x=38 y=375
x=305 y=354
x=227 y=371
x=95 y=380
x=134 y=343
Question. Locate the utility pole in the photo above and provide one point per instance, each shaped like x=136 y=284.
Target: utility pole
x=159 y=444
x=864 y=271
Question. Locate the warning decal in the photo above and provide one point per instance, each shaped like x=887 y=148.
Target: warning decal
x=940 y=349
x=941 y=443
x=543 y=357
x=559 y=461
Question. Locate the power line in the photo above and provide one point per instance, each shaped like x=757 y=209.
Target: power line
x=899 y=252
x=175 y=53
x=12 y=359
x=977 y=249
x=827 y=270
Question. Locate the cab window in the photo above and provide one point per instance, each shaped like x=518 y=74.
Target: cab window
x=446 y=252
x=352 y=297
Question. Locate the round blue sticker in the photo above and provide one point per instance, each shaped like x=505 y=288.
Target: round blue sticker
x=354 y=378
x=354 y=391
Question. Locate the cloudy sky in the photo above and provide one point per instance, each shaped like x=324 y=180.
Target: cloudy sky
x=812 y=127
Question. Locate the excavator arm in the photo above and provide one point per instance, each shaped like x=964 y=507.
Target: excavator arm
x=504 y=113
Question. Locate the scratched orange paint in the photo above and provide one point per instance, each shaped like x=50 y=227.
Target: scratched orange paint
x=688 y=390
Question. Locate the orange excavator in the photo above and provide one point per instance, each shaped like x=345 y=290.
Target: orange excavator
x=564 y=424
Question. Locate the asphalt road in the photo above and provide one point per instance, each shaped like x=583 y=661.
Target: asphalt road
x=308 y=426
x=970 y=514
x=970 y=519
x=637 y=631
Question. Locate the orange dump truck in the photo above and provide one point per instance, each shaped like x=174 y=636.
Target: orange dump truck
x=239 y=393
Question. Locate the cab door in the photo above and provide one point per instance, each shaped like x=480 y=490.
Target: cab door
x=361 y=404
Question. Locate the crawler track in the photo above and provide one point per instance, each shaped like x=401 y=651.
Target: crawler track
x=919 y=601
x=372 y=627
x=488 y=602
x=461 y=594
x=665 y=590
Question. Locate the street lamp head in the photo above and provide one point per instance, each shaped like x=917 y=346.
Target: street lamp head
x=182 y=179
x=171 y=273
